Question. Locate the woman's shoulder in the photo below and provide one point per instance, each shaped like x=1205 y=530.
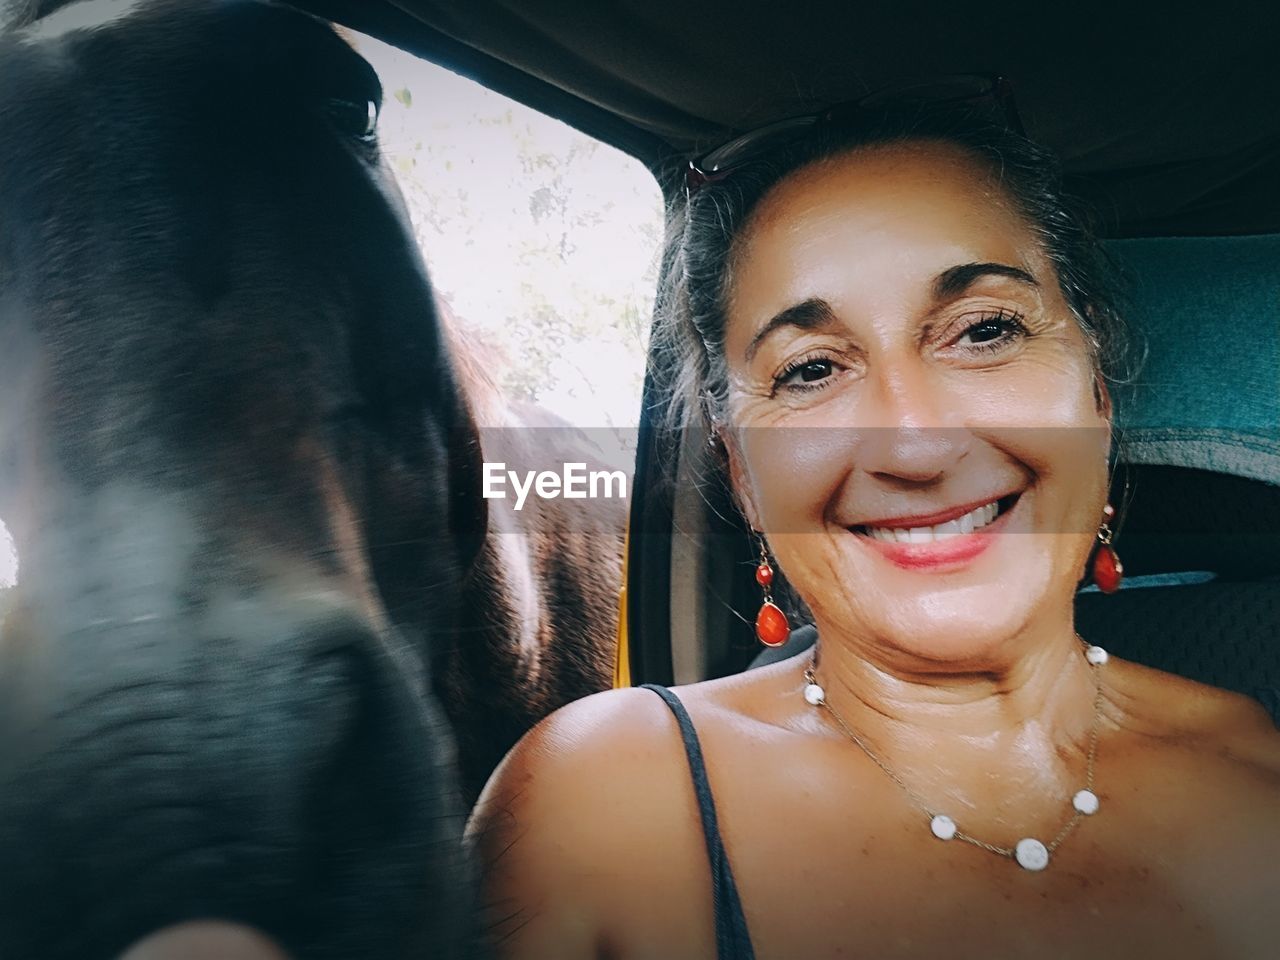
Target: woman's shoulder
x=624 y=732
x=596 y=732
x=579 y=752
x=1204 y=718
x=601 y=783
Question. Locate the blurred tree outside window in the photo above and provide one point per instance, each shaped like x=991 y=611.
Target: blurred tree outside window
x=543 y=241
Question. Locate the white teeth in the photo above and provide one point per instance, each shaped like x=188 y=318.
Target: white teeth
x=973 y=520
x=946 y=530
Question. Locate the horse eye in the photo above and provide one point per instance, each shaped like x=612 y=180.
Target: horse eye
x=356 y=118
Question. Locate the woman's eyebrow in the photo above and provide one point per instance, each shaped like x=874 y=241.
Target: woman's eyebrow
x=956 y=280
x=806 y=315
x=953 y=281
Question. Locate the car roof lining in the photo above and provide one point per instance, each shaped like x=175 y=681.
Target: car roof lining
x=1165 y=121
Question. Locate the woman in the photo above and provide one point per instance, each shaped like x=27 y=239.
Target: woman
x=900 y=336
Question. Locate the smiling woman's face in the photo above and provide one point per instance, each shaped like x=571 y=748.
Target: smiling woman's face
x=912 y=407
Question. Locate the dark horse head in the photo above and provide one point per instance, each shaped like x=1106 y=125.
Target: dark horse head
x=232 y=456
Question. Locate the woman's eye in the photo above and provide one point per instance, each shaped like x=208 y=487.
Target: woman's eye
x=815 y=370
x=991 y=333
x=806 y=374
x=982 y=332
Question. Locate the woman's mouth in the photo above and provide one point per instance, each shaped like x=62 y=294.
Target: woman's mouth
x=955 y=537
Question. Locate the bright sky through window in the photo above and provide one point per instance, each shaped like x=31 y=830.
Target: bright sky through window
x=543 y=240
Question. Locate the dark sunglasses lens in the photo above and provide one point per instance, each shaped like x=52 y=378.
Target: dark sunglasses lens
x=752 y=144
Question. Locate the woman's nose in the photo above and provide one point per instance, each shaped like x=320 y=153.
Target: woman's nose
x=915 y=429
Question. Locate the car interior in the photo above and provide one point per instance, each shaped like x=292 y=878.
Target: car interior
x=1166 y=125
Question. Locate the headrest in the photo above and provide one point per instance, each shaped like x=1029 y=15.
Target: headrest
x=1199 y=426
x=1207 y=397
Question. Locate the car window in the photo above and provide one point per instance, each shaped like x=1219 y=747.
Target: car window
x=542 y=240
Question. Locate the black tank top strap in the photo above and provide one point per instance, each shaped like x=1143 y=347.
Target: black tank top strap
x=733 y=941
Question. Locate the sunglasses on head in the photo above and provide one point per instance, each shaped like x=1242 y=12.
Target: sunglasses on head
x=975 y=89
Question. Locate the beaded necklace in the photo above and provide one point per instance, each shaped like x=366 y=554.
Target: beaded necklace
x=1029 y=853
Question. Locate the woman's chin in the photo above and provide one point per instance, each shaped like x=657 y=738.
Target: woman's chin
x=954 y=631
x=960 y=604
x=951 y=621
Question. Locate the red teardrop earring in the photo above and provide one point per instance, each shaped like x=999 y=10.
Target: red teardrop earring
x=1108 y=571
x=772 y=628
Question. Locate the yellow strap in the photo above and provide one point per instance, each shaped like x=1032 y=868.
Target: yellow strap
x=622 y=658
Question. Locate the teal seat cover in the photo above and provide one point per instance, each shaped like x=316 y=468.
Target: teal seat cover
x=1207 y=397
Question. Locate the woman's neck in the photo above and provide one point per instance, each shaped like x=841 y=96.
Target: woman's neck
x=1022 y=715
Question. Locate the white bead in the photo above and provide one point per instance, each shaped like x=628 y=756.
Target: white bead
x=814 y=693
x=1096 y=655
x=1086 y=801
x=1031 y=854
x=943 y=827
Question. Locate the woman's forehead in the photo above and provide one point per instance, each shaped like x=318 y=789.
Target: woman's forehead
x=878 y=219
x=884 y=175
